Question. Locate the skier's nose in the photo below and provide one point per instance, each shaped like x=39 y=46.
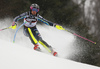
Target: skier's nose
x=33 y=12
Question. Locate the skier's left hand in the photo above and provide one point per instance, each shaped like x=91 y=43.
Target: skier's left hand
x=59 y=27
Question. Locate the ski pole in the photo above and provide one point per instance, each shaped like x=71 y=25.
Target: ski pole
x=80 y=36
x=17 y=31
x=5 y=28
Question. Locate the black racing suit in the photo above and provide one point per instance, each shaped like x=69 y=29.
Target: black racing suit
x=30 y=28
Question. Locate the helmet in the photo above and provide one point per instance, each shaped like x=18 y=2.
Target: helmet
x=36 y=6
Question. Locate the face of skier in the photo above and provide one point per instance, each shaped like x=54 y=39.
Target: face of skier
x=34 y=11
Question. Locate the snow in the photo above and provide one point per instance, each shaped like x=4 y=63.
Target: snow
x=13 y=56
x=61 y=41
x=20 y=55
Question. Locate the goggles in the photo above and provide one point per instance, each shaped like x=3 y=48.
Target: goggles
x=34 y=9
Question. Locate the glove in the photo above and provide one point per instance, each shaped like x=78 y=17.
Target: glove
x=14 y=25
x=59 y=27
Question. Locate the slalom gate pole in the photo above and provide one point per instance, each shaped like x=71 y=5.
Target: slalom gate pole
x=81 y=37
x=17 y=31
x=5 y=28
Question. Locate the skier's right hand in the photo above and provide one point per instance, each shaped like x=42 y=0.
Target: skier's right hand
x=14 y=25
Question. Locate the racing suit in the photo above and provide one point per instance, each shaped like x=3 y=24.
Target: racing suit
x=30 y=28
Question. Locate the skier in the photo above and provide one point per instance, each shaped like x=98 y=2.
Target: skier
x=30 y=30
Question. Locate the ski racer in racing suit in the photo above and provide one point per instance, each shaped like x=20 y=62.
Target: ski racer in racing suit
x=30 y=29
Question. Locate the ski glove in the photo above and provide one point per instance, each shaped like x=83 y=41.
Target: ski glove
x=59 y=27
x=14 y=25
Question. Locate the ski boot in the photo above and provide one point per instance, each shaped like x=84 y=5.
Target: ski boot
x=55 y=54
x=52 y=51
x=36 y=47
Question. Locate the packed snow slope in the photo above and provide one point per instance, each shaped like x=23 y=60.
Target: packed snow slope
x=20 y=55
x=13 y=56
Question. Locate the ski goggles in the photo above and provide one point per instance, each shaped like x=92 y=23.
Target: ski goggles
x=34 y=9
